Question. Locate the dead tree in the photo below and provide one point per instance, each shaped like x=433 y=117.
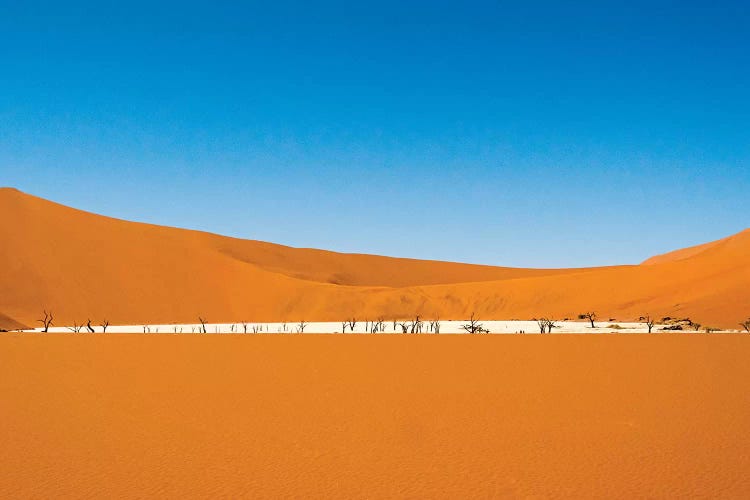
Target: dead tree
x=203 y=325
x=244 y=326
x=76 y=328
x=343 y=326
x=542 y=323
x=436 y=325
x=474 y=326
x=89 y=327
x=746 y=325
x=352 y=324
x=104 y=326
x=301 y=326
x=395 y=324
x=404 y=327
x=650 y=322
x=47 y=321
x=256 y=328
x=550 y=325
x=591 y=316
x=381 y=324
x=416 y=325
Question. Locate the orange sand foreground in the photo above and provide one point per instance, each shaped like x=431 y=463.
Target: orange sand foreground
x=374 y=416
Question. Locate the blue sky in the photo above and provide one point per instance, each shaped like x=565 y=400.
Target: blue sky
x=512 y=133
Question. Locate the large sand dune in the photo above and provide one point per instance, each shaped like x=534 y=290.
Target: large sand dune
x=82 y=265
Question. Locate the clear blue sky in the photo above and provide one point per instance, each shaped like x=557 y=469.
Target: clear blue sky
x=513 y=133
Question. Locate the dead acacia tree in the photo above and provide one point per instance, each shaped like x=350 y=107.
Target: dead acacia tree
x=257 y=328
x=404 y=327
x=650 y=322
x=47 y=321
x=203 y=325
x=542 y=323
x=104 y=324
x=550 y=325
x=76 y=328
x=591 y=316
x=435 y=326
x=343 y=326
x=89 y=327
x=416 y=325
x=244 y=326
x=352 y=324
x=746 y=325
x=381 y=324
x=474 y=326
x=301 y=326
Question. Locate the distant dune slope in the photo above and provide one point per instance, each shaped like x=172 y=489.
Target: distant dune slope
x=86 y=266
x=8 y=323
x=686 y=253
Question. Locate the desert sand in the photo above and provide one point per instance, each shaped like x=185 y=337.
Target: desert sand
x=86 y=266
x=272 y=416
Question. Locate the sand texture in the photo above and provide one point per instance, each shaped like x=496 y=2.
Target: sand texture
x=271 y=416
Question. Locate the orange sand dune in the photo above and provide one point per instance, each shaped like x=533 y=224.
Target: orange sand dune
x=271 y=416
x=8 y=323
x=686 y=253
x=82 y=265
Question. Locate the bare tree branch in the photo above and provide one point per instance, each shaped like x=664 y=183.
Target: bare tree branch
x=650 y=322
x=591 y=316
x=474 y=326
x=47 y=321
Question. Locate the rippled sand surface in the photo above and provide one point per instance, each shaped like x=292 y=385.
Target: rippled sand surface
x=178 y=416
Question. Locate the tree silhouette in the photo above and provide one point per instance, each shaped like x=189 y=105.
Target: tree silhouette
x=591 y=316
x=47 y=321
x=474 y=326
